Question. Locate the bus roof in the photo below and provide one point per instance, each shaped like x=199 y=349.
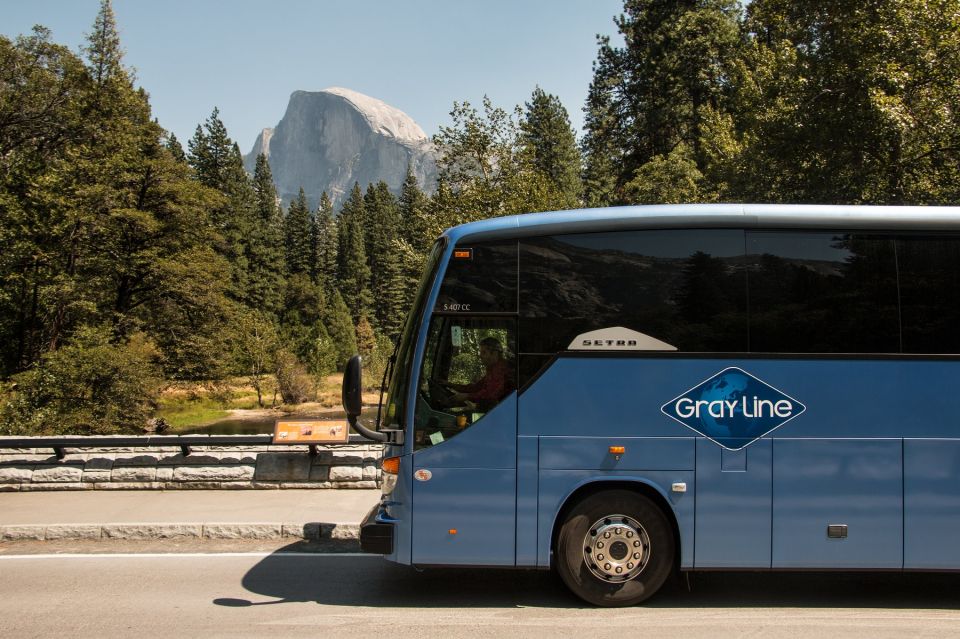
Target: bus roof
x=924 y=218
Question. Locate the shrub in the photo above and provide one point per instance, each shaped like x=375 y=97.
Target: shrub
x=90 y=386
x=295 y=384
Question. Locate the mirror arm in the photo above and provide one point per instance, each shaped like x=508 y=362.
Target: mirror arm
x=373 y=435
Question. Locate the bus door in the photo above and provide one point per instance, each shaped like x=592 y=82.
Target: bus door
x=465 y=433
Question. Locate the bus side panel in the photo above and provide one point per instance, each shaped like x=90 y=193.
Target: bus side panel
x=557 y=485
x=463 y=518
x=931 y=491
x=857 y=483
x=528 y=459
x=471 y=488
x=733 y=505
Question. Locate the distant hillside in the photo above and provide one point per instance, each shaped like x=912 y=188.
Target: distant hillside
x=329 y=139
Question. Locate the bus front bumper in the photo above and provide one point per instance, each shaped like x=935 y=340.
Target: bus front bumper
x=376 y=533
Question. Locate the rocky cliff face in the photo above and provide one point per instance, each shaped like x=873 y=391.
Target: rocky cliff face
x=329 y=139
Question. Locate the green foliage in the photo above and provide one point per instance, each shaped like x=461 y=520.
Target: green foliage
x=265 y=255
x=851 y=103
x=414 y=209
x=40 y=110
x=651 y=95
x=91 y=385
x=325 y=245
x=551 y=148
x=366 y=338
x=254 y=345
x=824 y=101
x=106 y=227
x=322 y=357
x=304 y=305
x=673 y=179
x=294 y=383
x=297 y=237
x=353 y=270
x=218 y=165
x=382 y=223
x=339 y=325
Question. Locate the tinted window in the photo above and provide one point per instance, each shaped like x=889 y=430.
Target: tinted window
x=686 y=288
x=480 y=278
x=930 y=293
x=822 y=292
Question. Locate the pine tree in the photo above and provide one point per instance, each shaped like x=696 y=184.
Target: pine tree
x=600 y=147
x=326 y=245
x=304 y=305
x=117 y=234
x=848 y=103
x=340 y=328
x=218 y=164
x=413 y=208
x=383 y=230
x=660 y=90
x=266 y=258
x=296 y=232
x=353 y=272
x=176 y=149
x=551 y=144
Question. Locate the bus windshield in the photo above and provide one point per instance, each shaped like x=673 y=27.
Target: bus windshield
x=400 y=380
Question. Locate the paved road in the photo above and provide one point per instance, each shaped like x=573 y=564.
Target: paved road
x=294 y=595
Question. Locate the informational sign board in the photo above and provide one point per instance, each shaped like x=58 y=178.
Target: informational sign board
x=310 y=431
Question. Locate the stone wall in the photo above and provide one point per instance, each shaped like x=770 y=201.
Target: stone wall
x=206 y=467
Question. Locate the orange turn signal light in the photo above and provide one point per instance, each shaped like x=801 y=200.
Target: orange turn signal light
x=391 y=465
x=452 y=531
x=617 y=450
x=463 y=254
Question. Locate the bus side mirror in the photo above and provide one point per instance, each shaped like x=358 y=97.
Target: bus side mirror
x=352 y=386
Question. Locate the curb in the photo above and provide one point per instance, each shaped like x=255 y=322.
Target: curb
x=310 y=531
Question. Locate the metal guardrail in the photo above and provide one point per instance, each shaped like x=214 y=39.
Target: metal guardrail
x=184 y=442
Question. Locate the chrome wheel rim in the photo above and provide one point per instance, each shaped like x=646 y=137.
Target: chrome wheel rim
x=616 y=548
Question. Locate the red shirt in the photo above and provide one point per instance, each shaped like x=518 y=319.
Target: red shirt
x=492 y=387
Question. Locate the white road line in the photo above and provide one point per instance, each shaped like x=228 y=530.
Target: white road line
x=186 y=554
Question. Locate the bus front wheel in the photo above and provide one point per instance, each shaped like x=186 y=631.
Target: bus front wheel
x=615 y=548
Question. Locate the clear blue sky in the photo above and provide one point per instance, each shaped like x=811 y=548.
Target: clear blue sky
x=247 y=56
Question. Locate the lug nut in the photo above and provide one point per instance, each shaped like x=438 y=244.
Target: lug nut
x=600 y=557
x=606 y=566
x=619 y=569
x=606 y=535
x=636 y=544
x=599 y=544
x=629 y=534
x=630 y=566
x=636 y=555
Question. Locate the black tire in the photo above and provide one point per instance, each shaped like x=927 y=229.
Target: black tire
x=579 y=577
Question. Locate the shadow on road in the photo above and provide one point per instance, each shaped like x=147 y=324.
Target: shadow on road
x=371 y=581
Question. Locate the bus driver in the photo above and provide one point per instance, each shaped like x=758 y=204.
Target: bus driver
x=493 y=386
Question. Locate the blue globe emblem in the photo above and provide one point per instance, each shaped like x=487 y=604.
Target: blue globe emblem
x=729 y=388
x=733 y=408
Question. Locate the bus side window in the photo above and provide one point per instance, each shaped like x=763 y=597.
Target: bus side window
x=468 y=368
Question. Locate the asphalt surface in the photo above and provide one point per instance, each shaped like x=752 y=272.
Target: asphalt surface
x=285 y=593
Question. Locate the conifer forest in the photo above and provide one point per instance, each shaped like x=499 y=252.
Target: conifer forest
x=132 y=259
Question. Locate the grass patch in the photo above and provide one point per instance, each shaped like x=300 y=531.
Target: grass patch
x=184 y=414
x=189 y=404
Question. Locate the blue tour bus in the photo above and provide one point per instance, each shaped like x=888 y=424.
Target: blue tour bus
x=695 y=387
